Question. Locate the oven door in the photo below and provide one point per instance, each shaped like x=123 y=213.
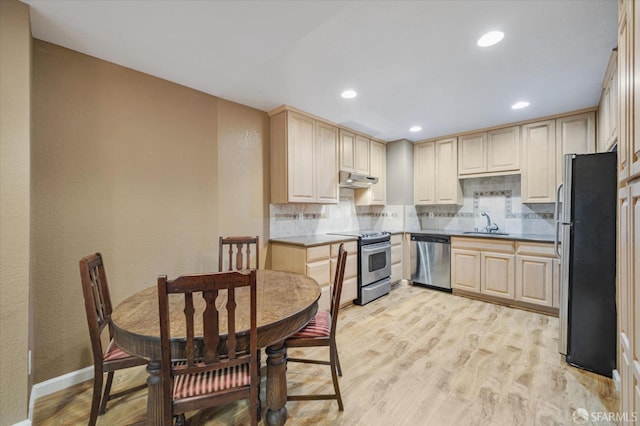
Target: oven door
x=375 y=262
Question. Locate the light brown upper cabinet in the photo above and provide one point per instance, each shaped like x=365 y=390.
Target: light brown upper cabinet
x=424 y=173
x=575 y=134
x=376 y=194
x=492 y=153
x=362 y=156
x=347 y=151
x=435 y=172
x=304 y=159
x=544 y=144
x=539 y=162
x=608 y=108
x=354 y=153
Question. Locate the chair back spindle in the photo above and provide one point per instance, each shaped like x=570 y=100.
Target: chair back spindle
x=239 y=253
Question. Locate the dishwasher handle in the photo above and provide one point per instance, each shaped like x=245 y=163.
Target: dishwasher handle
x=442 y=239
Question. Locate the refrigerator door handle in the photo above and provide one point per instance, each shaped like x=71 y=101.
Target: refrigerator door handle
x=556 y=215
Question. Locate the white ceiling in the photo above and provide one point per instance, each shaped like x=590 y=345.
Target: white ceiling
x=411 y=62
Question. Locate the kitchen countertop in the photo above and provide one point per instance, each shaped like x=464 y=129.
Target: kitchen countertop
x=312 y=240
x=539 y=238
x=321 y=239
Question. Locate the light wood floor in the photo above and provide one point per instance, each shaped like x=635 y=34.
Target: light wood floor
x=414 y=357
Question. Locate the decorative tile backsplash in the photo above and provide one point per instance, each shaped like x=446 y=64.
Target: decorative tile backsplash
x=287 y=220
x=498 y=196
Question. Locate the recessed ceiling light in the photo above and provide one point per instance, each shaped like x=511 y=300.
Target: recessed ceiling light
x=349 y=94
x=520 y=105
x=415 y=129
x=490 y=38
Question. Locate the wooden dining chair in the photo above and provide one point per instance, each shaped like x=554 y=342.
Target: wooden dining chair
x=212 y=371
x=321 y=331
x=97 y=303
x=238 y=253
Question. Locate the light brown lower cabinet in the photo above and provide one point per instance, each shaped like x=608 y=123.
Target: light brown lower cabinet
x=396 y=258
x=350 y=282
x=319 y=263
x=521 y=274
x=535 y=271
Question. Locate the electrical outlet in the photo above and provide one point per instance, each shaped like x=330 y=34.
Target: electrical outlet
x=431 y=215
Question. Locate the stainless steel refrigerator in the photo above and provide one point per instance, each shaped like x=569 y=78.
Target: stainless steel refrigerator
x=586 y=244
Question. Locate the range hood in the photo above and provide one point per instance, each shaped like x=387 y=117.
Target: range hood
x=356 y=181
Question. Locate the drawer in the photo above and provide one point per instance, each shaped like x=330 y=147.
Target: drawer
x=349 y=246
x=317 y=253
x=396 y=254
x=319 y=271
x=324 y=303
x=349 y=290
x=396 y=272
x=350 y=267
x=535 y=249
x=483 y=244
x=396 y=239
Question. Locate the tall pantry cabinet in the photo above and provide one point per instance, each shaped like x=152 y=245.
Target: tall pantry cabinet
x=628 y=272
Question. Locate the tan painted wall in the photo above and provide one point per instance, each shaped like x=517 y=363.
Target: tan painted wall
x=15 y=94
x=243 y=168
x=129 y=165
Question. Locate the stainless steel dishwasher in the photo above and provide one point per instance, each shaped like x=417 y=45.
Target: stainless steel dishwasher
x=431 y=261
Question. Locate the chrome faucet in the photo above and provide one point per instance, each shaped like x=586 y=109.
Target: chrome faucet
x=490 y=227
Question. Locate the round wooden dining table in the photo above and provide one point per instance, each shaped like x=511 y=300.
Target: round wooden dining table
x=286 y=302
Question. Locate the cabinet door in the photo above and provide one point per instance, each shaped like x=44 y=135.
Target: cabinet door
x=634 y=144
x=574 y=135
x=362 y=155
x=612 y=116
x=534 y=280
x=633 y=257
x=347 y=151
x=448 y=190
x=326 y=163
x=378 y=167
x=604 y=121
x=503 y=149
x=539 y=162
x=472 y=154
x=497 y=275
x=300 y=163
x=424 y=182
x=465 y=270
x=625 y=117
x=625 y=290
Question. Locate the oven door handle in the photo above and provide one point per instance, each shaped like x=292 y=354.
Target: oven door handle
x=376 y=247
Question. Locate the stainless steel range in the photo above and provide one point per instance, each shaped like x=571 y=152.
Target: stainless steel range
x=374 y=264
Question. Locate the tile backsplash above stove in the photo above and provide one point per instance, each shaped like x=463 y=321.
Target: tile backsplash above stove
x=498 y=196
x=287 y=220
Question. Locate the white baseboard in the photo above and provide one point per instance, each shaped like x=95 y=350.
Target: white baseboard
x=54 y=385
x=23 y=423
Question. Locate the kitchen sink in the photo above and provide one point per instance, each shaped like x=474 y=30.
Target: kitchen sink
x=484 y=233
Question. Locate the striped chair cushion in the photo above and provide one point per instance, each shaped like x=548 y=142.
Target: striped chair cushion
x=319 y=326
x=114 y=352
x=188 y=385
